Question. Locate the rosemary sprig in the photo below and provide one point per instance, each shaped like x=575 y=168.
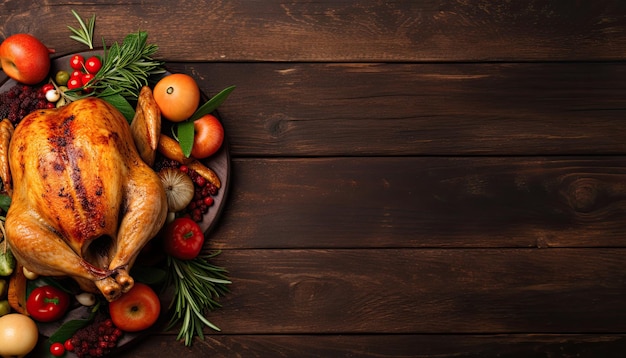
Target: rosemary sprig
x=84 y=34
x=126 y=67
x=196 y=284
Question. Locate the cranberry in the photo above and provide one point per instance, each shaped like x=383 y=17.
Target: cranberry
x=200 y=181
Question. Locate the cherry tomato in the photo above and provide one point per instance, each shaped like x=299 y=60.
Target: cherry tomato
x=47 y=303
x=177 y=96
x=77 y=62
x=86 y=77
x=57 y=349
x=76 y=73
x=74 y=83
x=93 y=65
x=53 y=95
x=183 y=238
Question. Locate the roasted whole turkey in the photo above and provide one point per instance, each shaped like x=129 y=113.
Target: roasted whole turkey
x=84 y=202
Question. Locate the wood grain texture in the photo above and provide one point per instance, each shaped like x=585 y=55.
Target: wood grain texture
x=435 y=178
x=423 y=291
x=342 y=30
x=392 y=346
x=425 y=202
x=304 y=109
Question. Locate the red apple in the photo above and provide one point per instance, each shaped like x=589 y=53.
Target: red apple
x=208 y=138
x=25 y=59
x=136 y=310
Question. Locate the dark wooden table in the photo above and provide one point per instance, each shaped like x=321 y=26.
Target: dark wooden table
x=409 y=178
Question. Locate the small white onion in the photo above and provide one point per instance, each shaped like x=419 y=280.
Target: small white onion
x=52 y=95
x=86 y=299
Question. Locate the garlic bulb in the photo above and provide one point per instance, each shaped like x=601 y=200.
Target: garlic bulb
x=178 y=187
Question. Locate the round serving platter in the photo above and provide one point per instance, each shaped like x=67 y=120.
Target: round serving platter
x=219 y=163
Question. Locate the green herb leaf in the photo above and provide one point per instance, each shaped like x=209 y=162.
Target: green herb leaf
x=84 y=34
x=119 y=102
x=5 y=202
x=68 y=329
x=212 y=104
x=197 y=284
x=185 y=134
x=148 y=275
x=127 y=67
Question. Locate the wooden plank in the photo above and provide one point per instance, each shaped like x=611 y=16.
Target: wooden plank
x=423 y=109
x=426 y=291
x=343 y=30
x=392 y=346
x=425 y=202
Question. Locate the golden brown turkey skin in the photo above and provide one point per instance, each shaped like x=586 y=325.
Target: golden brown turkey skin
x=84 y=203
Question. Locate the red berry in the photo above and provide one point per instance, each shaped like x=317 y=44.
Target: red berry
x=57 y=349
x=208 y=201
x=47 y=87
x=184 y=168
x=69 y=346
x=50 y=105
x=200 y=181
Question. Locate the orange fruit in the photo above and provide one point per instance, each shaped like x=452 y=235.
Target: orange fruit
x=177 y=96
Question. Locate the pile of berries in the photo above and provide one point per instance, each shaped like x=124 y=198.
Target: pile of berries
x=204 y=191
x=203 y=195
x=20 y=100
x=97 y=339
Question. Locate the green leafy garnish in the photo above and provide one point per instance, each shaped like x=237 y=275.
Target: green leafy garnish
x=185 y=132
x=5 y=202
x=127 y=67
x=68 y=328
x=212 y=104
x=197 y=284
x=119 y=102
x=84 y=34
x=149 y=275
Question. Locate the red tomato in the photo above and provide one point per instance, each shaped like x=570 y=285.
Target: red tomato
x=183 y=238
x=76 y=74
x=74 y=83
x=93 y=65
x=47 y=303
x=209 y=135
x=77 y=61
x=85 y=78
x=136 y=310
